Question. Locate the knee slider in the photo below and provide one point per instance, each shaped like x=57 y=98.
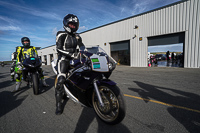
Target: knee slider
x=59 y=90
x=61 y=80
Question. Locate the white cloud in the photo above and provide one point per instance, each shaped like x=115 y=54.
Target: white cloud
x=7 y=28
x=83 y=28
x=140 y=7
x=54 y=31
x=6 y=19
x=32 y=11
x=10 y=40
x=122 y=10
x=9 y=24
x=38 y=38
x=43 y=14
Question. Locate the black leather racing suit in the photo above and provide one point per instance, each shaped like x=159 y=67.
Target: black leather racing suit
x=66 y=45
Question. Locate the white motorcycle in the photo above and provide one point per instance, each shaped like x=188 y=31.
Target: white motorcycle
x=88 y=84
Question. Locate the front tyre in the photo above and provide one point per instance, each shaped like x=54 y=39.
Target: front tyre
x=114 y=109
x=35 y=83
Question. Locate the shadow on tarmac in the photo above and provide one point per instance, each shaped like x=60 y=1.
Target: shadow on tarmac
x=3 y=75
x=10 y=101
x=188 y=118
x=86 y=118
x=6 y=84
x=50 y=81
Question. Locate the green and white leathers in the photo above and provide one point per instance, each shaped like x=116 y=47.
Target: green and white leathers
x=22 y=52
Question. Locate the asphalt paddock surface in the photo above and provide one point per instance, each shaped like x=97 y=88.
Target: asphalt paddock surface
x=157 y=100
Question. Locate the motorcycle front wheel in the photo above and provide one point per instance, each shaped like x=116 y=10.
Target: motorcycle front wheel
x=35 y=83
x=114 y=109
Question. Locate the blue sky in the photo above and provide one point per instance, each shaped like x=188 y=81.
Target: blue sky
x=41 y=19
x=164 y=48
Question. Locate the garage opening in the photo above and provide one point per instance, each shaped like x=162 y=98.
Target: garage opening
x=120 y=51
x=45 y=60
x=51 y=57
x=166 y=50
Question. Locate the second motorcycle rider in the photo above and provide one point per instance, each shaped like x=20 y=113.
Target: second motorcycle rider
x=66 y=43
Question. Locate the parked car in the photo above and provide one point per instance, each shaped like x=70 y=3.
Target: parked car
x=160 y=57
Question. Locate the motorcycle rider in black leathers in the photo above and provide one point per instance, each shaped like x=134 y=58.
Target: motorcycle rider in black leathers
x=66 y=43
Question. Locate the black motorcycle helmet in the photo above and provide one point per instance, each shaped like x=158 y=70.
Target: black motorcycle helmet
x=25 y=44
x=71 y=23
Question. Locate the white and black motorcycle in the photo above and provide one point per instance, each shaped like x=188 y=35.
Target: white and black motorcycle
x=88 y=84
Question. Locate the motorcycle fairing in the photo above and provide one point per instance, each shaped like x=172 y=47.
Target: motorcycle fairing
x=31 y=59
x=29 y=62
x=106 y=81
x=77 y=94
x=83 y=79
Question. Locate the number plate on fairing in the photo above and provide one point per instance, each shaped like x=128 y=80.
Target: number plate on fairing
x=99 y=63
x=96 y=66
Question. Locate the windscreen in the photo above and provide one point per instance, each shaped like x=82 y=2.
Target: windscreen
x=95 y=50
x=30 y=53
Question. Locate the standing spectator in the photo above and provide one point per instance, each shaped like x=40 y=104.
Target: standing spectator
x=182 y=59
x=172 y=57
x=167 y=54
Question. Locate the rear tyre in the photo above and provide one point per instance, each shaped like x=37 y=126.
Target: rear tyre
x=35 y=83
x=114 y=109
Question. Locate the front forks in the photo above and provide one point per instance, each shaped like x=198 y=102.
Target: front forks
x=98 y=93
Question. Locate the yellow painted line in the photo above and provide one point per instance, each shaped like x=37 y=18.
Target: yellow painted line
x=154 y=101
x=166 y=104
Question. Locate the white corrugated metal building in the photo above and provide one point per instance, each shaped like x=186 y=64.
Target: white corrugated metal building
x=175 y=23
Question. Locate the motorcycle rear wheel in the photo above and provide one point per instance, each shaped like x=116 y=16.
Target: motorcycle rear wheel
x=114 y=109
x=35 y=83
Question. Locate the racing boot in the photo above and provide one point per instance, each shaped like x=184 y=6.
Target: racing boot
x=59 y=109
x=44 y=83
x=17 y=88
x=59 y=96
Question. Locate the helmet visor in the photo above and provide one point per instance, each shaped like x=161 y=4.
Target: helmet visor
x=26 y=43
x=72 y=25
